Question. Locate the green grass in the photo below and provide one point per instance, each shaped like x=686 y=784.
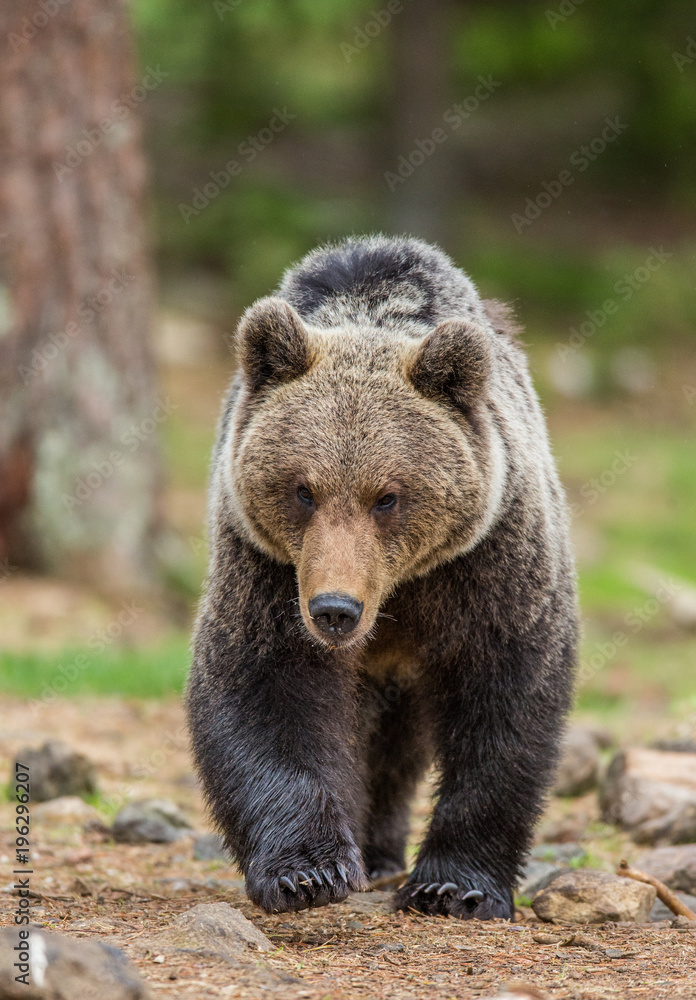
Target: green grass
x=645 y=516
x=132 y=671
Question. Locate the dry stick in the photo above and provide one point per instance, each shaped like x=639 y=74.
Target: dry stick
x=385 y=881
x=666 y=895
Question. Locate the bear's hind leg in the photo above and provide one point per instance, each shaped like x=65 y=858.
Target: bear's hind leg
x=396 y=756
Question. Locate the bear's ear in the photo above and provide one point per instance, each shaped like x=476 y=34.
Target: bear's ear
x=272 y=344
x=453 y=362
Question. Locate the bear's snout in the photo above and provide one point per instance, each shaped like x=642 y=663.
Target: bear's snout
x=335 y=613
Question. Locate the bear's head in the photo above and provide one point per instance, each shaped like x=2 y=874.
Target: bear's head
x=364 y=458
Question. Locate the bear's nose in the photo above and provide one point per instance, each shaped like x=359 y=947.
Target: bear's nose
x=335 y=614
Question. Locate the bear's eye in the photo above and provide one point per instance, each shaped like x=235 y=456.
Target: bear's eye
x=305 y=496
x=387 y=502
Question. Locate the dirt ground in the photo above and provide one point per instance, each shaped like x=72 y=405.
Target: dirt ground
x=86 y=885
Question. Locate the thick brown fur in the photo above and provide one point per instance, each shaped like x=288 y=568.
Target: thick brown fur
x=382 y=440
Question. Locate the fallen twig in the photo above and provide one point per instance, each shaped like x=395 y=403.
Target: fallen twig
x=663 y=893
x=385 y=881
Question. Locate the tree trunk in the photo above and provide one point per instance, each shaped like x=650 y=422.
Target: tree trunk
x=421 y=202
x=79 y=469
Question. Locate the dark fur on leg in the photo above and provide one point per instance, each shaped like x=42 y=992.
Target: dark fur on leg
x=273 y=726
x=397 y=754
x=498 y=698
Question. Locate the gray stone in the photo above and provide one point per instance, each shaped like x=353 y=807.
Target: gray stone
x=662 y=912
x=56 y=769
x=210 y=847
x=562 y=854
x=652 y=794
x=369 y=902
x=537 y=875
x=676 y=745
x=67 y=810
x=675 y=866
x=593 y=897
x=215 y=929
x=520 y=992
x=66 y=968
x=156 y=821
x=579 y=767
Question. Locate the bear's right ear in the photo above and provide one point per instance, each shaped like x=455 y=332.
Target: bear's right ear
x=272 y=344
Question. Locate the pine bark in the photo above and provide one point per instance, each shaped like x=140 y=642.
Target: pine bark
x=79 y=466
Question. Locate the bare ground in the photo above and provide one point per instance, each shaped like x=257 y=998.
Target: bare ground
x=89 y=886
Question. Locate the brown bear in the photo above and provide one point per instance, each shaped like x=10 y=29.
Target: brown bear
x=391 y=585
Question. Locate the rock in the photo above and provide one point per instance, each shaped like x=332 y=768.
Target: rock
x=57 y=770
x=66 y=968
x=537 y=875
x=562 y=854
x=369 y=902
x=210 y=847
x=579 y=767
x=593 y=897
x=676 y=745
x=662 y=912
x=518 y=992
x=652 y=794
x=68 y=810
x=156 y=821
x=216 y=929
x=675 y=866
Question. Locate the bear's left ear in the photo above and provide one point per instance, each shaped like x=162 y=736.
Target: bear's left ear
x=272 y=344
x=453 y=362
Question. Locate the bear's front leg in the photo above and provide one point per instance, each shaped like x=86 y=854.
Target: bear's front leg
x=272 y=719
x=497 y=727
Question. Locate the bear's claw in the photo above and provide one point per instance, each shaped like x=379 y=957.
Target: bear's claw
x=450 y=899
x=300 y=888
x=450 y=887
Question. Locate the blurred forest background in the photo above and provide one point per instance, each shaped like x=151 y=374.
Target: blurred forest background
x=549 y=149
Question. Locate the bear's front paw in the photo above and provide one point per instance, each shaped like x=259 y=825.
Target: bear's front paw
x=297 y=886
x=450 y=899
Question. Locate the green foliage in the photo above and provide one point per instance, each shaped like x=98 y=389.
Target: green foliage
x=230 y=63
